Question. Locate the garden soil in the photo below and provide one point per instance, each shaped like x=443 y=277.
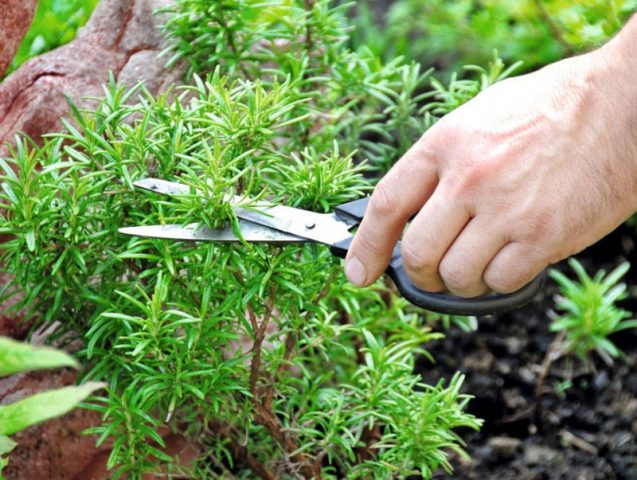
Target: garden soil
x=583 y=425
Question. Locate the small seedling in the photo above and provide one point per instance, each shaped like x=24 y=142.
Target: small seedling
x=562 y=387
x=587 y=316
x=588 y=311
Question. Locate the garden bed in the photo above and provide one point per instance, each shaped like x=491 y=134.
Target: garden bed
x=324 y=385
x=584 y=431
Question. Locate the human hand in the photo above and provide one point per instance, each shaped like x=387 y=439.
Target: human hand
x=532 y=170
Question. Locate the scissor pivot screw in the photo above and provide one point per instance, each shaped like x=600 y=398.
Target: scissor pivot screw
x=310 y=226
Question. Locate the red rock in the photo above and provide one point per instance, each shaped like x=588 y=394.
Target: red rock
x=58 y=449
x=14 y=23
x=53 y=450
x=10 y=324
x=122 y=36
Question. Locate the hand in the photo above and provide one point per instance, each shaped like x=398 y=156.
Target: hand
x=532 y=170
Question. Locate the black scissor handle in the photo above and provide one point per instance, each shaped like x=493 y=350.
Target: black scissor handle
x=353 y=213
x=445 y=303
x=451 y=304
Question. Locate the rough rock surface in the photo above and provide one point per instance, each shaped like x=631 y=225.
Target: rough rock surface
x=122 y=37
x=15 y=20
x=54 y=450
x=10 y=325
x=58 y=449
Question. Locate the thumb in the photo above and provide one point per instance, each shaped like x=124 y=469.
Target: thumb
x=400 y=194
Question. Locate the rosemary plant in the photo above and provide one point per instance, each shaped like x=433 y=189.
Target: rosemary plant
x=264 y=356
x=588 y=311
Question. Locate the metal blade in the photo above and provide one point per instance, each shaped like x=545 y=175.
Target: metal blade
x=323 y=228
x=164 y=187
x=195 y=232
x=319 y=227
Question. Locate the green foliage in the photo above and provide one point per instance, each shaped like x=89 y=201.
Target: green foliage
x=588 y=310
x=265 y=350
x=561 y=388
x=449 y=34
x=6 y=445
x=445 y=99
x=19 y=357
x=413 y=422
x=55 y=23
x=16 y=357
x=42 y=406
x=316 y=182
x=590 y=23
x=347 y=95
x=466 y=324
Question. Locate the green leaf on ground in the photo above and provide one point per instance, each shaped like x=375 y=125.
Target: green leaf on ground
x=19 y=357
x=43 y=406
x=6 y=444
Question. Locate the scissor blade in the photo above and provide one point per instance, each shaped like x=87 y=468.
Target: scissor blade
x=195 y=232
x=173 y=189
x=165 y=187
x=320 y=227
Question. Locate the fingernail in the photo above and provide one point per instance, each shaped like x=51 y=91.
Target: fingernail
x=355 y=272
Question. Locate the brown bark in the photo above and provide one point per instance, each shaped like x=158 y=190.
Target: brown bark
x=15 y=20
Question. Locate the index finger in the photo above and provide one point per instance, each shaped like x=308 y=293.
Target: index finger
x=400 y=194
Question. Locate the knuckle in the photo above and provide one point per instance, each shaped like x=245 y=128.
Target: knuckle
x=416 y=258
x=457 y=279
x=384 y=201
x=421 y=268
x=475 y=176
x=435 y=144
x=477 y=172
x=441 y=134
x=505 y=280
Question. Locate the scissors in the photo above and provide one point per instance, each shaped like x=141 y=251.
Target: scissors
x=281 y=224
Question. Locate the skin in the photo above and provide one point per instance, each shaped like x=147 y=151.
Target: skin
x=531 y=171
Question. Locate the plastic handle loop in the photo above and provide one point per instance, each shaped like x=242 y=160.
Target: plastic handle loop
x=451 y=304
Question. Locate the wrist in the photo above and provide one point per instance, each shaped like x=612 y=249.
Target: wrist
x=623 y=47
x=618 y=61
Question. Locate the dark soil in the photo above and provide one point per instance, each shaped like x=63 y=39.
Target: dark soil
x=583 y=425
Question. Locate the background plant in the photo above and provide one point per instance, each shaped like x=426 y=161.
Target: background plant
x=449 y=34
x=16 y=357
x=55 y=23
x=587 y=315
